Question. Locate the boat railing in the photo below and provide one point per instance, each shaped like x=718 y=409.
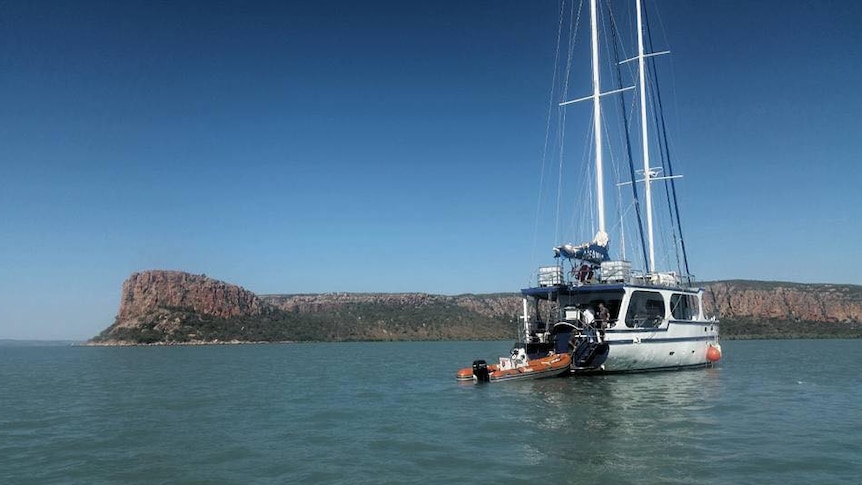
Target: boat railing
x=550 y=276
x=611 y=272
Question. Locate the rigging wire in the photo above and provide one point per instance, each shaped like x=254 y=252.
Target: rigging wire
x=666 y=157
x=573 y=30
x=560 y=88
x=547 y=130
x=628 y=139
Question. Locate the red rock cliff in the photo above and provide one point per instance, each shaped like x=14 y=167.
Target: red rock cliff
x=149 y=291
x=784 y=301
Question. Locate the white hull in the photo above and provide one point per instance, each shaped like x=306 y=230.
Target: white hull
x=646 y=328
x=677 y=346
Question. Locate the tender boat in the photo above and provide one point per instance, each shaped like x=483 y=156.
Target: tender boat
x=609 y=312
x=517 y=366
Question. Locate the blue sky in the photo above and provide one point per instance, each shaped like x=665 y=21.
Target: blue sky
x=296 y=147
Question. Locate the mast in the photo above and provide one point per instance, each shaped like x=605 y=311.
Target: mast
x=645 y=140
x=597 y=119
x=597 y=114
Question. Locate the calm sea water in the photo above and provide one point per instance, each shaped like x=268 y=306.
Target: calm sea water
x=772 y=412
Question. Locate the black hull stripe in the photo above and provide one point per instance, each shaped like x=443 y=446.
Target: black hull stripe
x=664 y=340
x=656 y=329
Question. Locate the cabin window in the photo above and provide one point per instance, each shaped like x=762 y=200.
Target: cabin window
x=683 y=307
x=612 y=300
x=646 y=309
x=612 y=303
x=614 y=308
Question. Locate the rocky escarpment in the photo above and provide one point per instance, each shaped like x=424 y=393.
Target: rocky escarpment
x=165 y=305
x=151 y=290
x=491 y=305
x=761 y=309
x=177 y=307
x=791 y=302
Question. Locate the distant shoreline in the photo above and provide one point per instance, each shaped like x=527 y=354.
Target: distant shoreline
x=180 y=344
x=11 y=342
x=239 y=342
x=78 y=343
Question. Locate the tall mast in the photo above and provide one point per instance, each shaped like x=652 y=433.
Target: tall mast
x=597 y=115
x=645 y=139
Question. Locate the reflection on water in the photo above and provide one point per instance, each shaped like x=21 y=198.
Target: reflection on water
x=770 y=412
x=616 y=425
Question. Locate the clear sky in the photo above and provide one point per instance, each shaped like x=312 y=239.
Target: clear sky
x=294 y=147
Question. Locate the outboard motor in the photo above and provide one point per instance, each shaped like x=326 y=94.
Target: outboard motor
x=480 y=371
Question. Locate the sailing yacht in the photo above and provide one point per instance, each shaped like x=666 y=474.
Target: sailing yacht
x=593 y=305
x=608 y=315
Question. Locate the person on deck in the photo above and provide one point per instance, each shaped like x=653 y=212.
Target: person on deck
x=603 y=317
x=587 y=316
x=584 y=273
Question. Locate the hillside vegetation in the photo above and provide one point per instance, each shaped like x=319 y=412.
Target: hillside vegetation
x=173 y=307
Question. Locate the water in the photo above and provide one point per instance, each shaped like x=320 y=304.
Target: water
x=772 y=412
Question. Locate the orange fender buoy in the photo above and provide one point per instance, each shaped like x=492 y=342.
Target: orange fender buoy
x=713 y=353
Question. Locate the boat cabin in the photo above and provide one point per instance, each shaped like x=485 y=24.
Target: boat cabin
x=561 y=309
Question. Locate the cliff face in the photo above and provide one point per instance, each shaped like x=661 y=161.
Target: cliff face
x=165 y=306
x=791 y=302
x=172 y=306
x=153 y=290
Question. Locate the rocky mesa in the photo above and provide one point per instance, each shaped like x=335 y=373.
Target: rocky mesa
x=152 y=290
x=177 y=307
x=790 y=302
x=159 y=306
